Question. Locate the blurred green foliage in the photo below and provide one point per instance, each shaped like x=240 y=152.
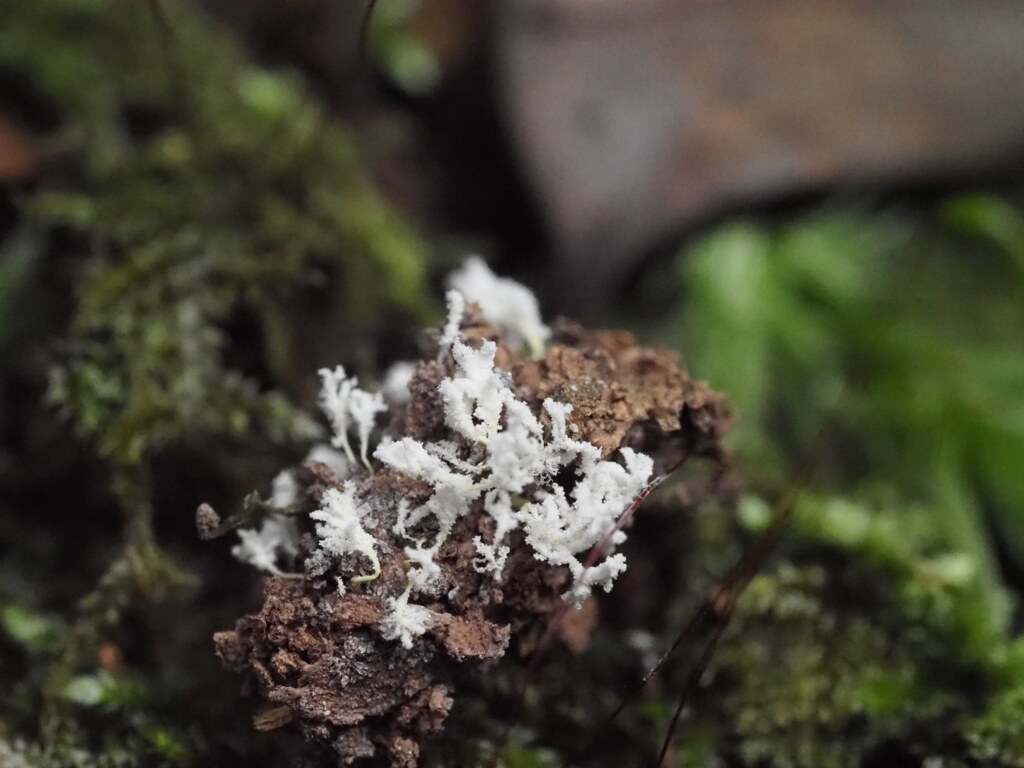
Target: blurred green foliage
x=915 y=334
x=209 y=189
x=403 y=58
x=884 y=626
x=20 y=258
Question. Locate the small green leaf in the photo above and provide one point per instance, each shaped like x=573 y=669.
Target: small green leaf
x=32 y=630
x=87 y=690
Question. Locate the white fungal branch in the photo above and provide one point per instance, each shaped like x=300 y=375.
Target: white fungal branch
x=509 y=305
x=395 y=386
x=332 y=459
x=364 y=407
x=284 y=489
x=491 y=557
x=456 y=303
x=340 y=529
x=405 y=621
x=481 y=407
x=335 y=396
x=346 y=406
x=278 y=535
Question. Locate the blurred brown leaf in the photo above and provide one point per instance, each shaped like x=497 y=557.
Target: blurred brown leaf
x=634 y=120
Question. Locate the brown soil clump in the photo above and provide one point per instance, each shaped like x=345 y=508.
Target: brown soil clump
x=318 y=658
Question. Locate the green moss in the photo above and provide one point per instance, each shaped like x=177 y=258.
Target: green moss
x=996 y=737
x=236 y=195
x=220 y=237
x=871 y=632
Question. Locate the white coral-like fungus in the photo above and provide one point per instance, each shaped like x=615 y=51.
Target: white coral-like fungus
x=481 y=407
x=559 y=530
x=456 y=303
x=502 y=452
x=473 y=399
x=284 y=489
x=341 y=531
x=342 y=400
x=395 y=386
x=278 y=535
x=508 y=304
x=404 y=620
x=332 y=459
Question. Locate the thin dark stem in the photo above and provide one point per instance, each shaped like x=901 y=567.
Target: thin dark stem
x=717 y=609
x=533 y=665
x=693 y=679
x=703 y=617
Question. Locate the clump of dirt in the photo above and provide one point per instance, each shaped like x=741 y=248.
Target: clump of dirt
x=317 y=656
